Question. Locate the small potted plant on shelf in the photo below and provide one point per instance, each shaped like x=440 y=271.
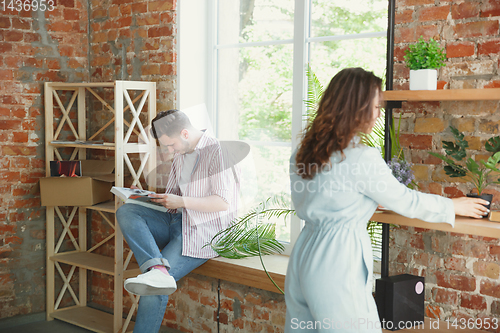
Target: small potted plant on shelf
x=480 y=174
x=424 y=58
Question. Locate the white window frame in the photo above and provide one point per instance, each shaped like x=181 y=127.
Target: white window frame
x=189 y=14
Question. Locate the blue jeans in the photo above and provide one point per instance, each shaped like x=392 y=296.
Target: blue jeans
x=146 y=232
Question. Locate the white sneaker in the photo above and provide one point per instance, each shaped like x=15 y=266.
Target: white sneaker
x=154 y=282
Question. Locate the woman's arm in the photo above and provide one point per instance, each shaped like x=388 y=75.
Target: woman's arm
x=377 y=182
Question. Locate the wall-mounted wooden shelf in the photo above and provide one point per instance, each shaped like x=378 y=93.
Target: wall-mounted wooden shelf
x=463 y=225
x=442 y=95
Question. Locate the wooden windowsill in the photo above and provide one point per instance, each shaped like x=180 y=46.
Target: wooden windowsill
x=248 y=271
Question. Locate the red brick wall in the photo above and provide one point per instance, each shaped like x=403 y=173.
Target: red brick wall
x=193 y=307
x=34 y=47
x=135 y=40
x=462 y=272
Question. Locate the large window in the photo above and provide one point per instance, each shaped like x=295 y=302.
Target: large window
x=257 y=55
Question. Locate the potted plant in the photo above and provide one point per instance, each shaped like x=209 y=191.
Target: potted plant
x=480 y=174
x=424 y=58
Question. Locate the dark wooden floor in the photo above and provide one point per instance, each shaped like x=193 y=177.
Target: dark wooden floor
x=54 y=326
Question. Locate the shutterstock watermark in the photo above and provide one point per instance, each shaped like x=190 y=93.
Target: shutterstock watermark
x=342 y=177
x=340 y=184
x=359 y=324
x=356 y=324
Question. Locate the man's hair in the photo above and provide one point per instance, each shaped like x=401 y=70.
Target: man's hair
x=169 y=123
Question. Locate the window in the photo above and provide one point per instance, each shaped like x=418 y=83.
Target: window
x=256 y=54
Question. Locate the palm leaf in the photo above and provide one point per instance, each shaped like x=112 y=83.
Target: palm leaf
x=243 y=241
x=315 y=92
x=375 y=232
x=243 y=238
x=396 y=149
x=376 y=137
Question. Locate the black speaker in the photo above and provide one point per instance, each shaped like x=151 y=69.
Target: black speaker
x=400 y=301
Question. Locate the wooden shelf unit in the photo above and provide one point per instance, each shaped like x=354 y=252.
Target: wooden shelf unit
x=82 y=258
x=88 y=318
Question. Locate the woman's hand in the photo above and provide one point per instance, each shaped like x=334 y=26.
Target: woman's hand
x=471 y=207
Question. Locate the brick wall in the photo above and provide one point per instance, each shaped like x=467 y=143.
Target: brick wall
x=34 y=47
x=193 y=308
x=462 y=272
x=135 y=40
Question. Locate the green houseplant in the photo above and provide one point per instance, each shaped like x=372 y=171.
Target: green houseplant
x=460 y=165
x=424 y=58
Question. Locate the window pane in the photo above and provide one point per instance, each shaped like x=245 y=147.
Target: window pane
x=242 y=21
x=255 y=93
x=341 y=17
x=271 y=165
x=328 y=58
x=255 y=105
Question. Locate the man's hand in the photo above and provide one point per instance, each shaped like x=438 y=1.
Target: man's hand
x=169 y=201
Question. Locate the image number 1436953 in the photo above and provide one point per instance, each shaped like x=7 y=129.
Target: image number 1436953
x=27 y=5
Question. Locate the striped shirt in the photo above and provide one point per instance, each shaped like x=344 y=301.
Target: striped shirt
x=209 y=176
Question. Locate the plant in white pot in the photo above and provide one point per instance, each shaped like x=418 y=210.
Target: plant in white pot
x=424 y=58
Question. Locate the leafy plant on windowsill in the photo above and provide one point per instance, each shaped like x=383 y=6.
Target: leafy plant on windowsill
x=480 y=174
x=425 y=55
x=249 y=236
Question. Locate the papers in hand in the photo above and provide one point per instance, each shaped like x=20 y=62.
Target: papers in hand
x=137 y=197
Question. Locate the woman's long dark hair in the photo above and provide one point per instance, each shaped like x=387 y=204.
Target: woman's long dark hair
x=345 y=109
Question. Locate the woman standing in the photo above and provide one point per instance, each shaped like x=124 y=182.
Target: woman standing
x=336 y=185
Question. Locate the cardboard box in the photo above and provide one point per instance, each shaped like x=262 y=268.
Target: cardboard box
x=92 y=188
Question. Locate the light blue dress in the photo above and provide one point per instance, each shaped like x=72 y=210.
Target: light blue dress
x=328 y=284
